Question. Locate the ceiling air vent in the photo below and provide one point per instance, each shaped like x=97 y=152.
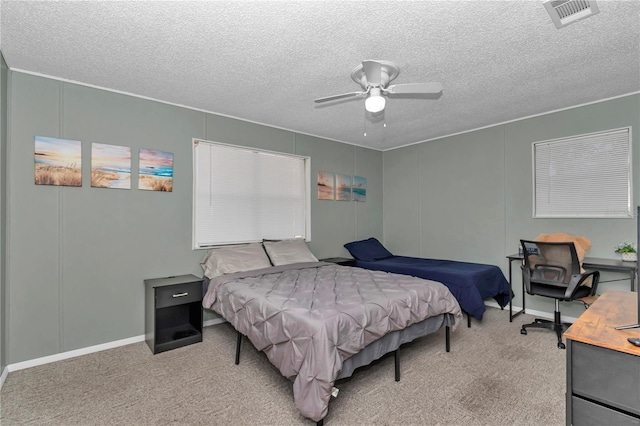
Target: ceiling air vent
x=565 y=12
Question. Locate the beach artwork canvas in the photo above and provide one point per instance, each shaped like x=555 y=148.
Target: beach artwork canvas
x=110 y=166
x=58 y=161
x=359 y=188
x=343 y=187
x=325 y=186
x=155 y=170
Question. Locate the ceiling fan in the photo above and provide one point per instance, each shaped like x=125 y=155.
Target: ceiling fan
x=374 y=78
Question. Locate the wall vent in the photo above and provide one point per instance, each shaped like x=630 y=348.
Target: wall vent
x=565 y=12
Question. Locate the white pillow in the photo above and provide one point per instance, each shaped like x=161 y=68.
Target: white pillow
x=227 y=260
x=286 y=252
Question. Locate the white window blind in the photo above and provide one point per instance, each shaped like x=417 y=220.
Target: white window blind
x=583 y=176
x=243 y=194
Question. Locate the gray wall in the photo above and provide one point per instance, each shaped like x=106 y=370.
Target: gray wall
x=334 y=223
x=77 y=257
x=469 y=197
x=3 y=155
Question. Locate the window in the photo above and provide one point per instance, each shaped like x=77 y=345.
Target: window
x=583 y=176
x=244 y=194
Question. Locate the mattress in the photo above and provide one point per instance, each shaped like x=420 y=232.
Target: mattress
x=470 y=283
x=310 y=318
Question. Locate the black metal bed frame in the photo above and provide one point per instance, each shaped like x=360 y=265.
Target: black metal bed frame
x=396 y=355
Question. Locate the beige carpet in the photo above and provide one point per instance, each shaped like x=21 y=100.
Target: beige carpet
x=492 y=376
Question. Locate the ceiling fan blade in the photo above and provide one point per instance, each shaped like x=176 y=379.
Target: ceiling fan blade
x=336 y=97
x=415 y=88
x=373 y=72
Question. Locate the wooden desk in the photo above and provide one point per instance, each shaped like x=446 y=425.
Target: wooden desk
x=603 y=368
x=591 y=263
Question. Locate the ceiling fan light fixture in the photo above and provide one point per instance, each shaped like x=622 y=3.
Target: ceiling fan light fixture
x=375 y=102
x=374 y=78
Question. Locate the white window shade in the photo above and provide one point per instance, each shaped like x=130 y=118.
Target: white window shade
x=244 y=194
x=583 y=176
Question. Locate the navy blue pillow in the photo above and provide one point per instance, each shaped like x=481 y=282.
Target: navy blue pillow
x=368 y=250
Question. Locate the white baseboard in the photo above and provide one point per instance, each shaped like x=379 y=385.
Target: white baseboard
x=3 y=376
x=213 y=322
x=110 y=345
x=72 y=354
x=532 y=312
x=82 y=351
x=491 y=304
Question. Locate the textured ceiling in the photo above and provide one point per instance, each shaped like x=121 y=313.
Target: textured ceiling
x=267 y=61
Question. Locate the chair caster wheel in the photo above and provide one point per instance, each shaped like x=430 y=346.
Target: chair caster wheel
x=523 y=331
x=561 y=346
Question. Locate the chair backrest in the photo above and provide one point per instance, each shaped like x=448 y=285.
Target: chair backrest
x=551 y=261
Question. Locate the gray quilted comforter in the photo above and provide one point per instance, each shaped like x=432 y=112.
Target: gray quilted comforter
x=309 y=317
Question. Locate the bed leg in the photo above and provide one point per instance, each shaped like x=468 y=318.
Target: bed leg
x=396 y=357
x=468 y=320
x=320 y=422
x=448 y=338
x=238 y=343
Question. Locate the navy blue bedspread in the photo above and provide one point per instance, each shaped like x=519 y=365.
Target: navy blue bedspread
x=470 y=283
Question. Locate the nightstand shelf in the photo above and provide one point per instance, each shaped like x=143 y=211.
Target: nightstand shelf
x=177 y=336
x=173 y=312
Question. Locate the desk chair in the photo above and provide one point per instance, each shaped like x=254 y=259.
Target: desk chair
x=553 y=270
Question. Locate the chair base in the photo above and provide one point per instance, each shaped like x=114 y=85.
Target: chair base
x=557 y=325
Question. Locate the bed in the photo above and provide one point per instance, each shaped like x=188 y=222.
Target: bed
x=470 y=283
x=317 y=322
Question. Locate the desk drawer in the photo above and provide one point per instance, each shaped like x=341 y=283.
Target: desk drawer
x=178 y=294
x=606 y=376
x=586 y=413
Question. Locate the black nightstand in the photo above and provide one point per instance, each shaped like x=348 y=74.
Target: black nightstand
x=173 y=312
x=340 y=261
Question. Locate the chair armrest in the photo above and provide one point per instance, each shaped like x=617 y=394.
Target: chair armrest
x=578 y=279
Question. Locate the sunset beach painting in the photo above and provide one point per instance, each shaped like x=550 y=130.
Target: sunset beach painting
x=325 y=186
x=343 y=187
x=155 y=170
x=359 y=188
x=58 y=161
x=110 y=166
